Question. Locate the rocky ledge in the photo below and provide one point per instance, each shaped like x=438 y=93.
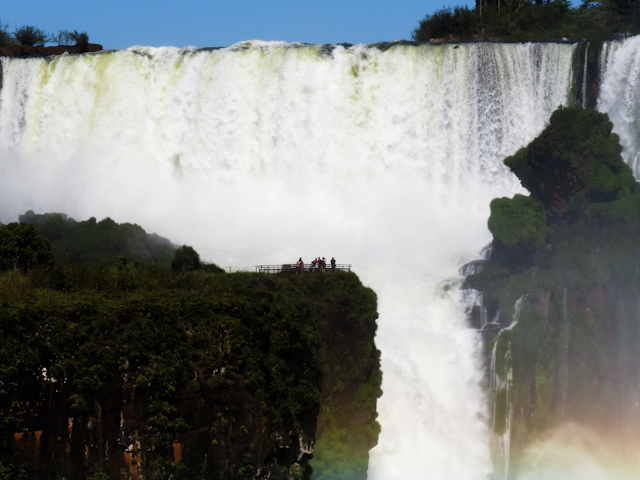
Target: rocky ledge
x=42 y=51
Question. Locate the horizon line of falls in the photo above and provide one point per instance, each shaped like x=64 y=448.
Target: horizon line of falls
x=264 y=152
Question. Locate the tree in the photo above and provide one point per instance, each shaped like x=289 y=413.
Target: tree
x=185 y=259
x=5 y=36
x=23 y=248
x=70 y=37
x=30 y=35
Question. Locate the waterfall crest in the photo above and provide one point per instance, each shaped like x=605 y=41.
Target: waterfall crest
x=265 y=152
x=620 y=95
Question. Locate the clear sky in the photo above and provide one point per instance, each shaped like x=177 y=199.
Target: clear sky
x=214 y=23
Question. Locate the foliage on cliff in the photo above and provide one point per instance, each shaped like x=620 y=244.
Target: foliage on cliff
x=32 y=35
x=571 y=352
x=233 y=368
x=518 y=221
x=93 y=242
x=22 y=248
x=525 y=20
x=185 y=259
x=573 y=163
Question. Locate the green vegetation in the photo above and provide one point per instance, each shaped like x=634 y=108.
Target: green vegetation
x=30 y=35
x=185 y=259
x=295 y=344
x=34 y=36
x=526 y=20
x=579 y=158
x=103 y=242
x=5 y=37
x=22 y=248
x=578 y=321
x=69 y=37
x=519 y=221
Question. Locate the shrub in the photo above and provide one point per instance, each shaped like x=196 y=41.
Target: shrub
x=99 y=475
x=518 y=221
x=122 y=262
x=67 y=37
x=78 y=405
x=22 y=248
x=185 y=259
x=460 y=21
x=30 y=35
x=5 y=36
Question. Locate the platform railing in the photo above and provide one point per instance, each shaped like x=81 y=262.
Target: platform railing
x=307 y=268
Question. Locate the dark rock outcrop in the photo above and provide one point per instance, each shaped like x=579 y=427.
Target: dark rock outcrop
x=41 y=51
x=567 y=288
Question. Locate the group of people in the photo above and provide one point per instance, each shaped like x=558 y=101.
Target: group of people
x=317 y=264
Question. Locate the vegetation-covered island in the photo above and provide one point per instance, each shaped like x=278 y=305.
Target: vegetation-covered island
x=560 y=288
x=122 y=356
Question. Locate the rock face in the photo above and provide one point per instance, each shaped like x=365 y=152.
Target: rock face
x=141 y=373
x=559 y=294
x=41 y=51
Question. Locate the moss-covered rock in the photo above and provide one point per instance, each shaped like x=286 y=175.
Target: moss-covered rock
x=518 y=221
x=573 y=352
x=573 y=163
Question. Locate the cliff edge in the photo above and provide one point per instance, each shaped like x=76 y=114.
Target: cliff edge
x=132 y=372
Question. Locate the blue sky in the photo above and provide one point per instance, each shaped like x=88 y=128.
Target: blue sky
x=202 y=23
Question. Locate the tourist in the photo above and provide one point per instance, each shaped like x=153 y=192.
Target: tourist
x=333 y=263
x=299 y=266
x=314 y=265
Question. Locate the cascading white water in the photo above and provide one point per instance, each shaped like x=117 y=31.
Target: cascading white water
x=262 y=153
x=500 y=384
x=620 y=95
x=584 y=76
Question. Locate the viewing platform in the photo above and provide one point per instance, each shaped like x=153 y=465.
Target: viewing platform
x=308 y=268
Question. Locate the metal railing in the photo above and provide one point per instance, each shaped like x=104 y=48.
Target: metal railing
x=307 y=268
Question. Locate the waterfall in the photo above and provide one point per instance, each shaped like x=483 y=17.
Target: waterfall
x=584 y=76
x=620 y=95
x=500 y=386
x=264 y=152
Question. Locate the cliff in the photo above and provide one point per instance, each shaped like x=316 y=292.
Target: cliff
x=42 y=51
x=138 y=372
x=560 y=290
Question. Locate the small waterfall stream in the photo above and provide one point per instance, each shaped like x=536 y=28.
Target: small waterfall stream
x=584 y=77
x=500 y=385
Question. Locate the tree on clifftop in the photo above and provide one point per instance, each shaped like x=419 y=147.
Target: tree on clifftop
x=530 y=20
x=70 y=37
x=185 y=259
x=5 y=36
x=30 y=35
x=23 y=248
